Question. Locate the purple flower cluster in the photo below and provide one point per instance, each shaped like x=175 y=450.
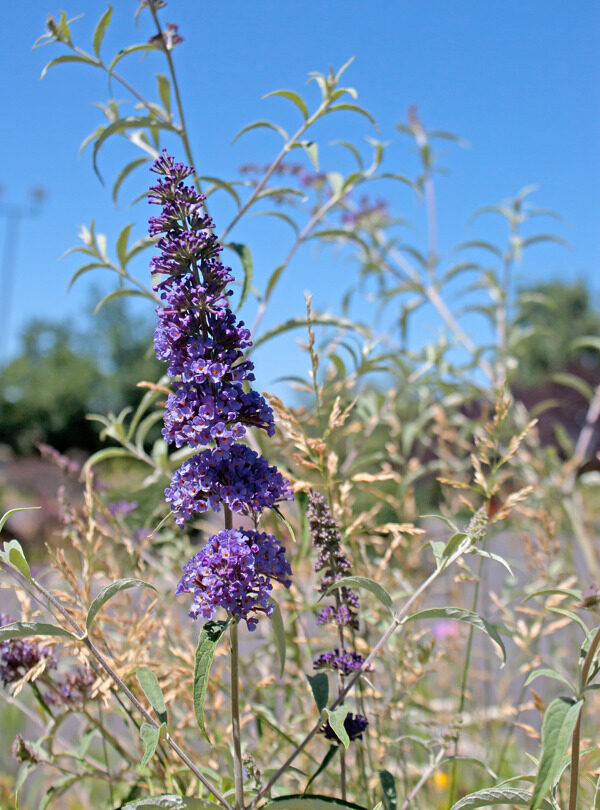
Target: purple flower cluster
x=333 y=562
x=343 y=662
x=235 y=476
x=76 y=686
x=234 y=571
x=355 y=725
x=18 y=656
x=211 y=406
x=203 y=342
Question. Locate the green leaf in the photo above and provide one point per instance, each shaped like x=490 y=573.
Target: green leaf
x=259 y=124
x=164 y=91
x=122 y=125
x=293 y=97
x=319 y=684
x=121 y=293
x=312 y=150
x=61 y=60
x=124 y=173
x=10 y=512
x=331 y=752
x=141 y=46
x=461 y=615
x=278 y=634
x=320 y=320
x=279 y=215
x=103 y=24
x=23 y=629
x=299 y=801
x=170 y=802
x=273 y=279
x=492 y=797
x=353 y=108
x=110 y=591
x=588 y=342
x=572 y=381
x=388 y=785
x=557 y=729
x=57 y=789
x=149 y=736
x=106 y=453
x=207 y=643
x=453 y=544
x=151 y=688
x=243 y=251
x=14 y=556
x=336 y=721
x=122 y=244
x=548 y=673
x=369 y=585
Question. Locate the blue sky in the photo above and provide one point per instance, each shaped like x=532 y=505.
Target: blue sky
x=519 y=81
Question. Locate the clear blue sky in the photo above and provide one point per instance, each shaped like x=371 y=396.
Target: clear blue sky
x=518 y=80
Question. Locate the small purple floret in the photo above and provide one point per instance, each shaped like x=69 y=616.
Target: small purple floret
x=18 y=656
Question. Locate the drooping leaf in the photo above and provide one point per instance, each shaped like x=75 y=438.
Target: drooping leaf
x=557 y=729
x=388 y=785
x=12 y=553
x=319 y=684
x=259 y=124
x=492 y=797
x=149 y=736
x=207 y=644
x=110 y=591
x=23 y=629
x=151 y=688
x=123 y=292
x=124 y=174
x=243 y=251
x=293 y=97
x=170 y=802
x=317 y=319
x=299 y=801
x=369 y=585
x=336 y=721
x=462 y=615
x=67 y=57
x=331 y=752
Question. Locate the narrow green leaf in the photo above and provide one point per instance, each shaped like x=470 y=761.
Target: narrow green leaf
x=572 y=381
x=141 y=46
x=23 y=629
x=124 y=174
x=122 y=244
x=124 y=292
x=273 y=279
x=278 y=634
x=243 y=251
x=557 y=729
x=388 y=785
x=319 y=684
x=453 y=544
x=61 y=60
x=122 y=125
x=299 y=801
x=369 y=585
x=336 y=721
x=279 y=215
x=312 y=150
x=164 y=91
x=151 y=688
x=259 y=125
x=100 y=31
x=110 y=591
x=207 y=643
x=107 y=453
x=149 y=737
x=293 y=97
x=12 y=554
x=588 y=342
x=492 y=797
x=353 y=108
x=317 y=319
x=170 y=802
x=57 y=789
x=331 y=752
x=548 y=673
x=461 y=615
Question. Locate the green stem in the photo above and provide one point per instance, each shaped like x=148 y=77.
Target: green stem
x=463 y=687
x=576 y=741
x=235 y=718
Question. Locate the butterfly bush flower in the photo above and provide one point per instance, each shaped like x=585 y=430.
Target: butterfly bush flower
x=211 y=405
x=334 y=565
x=18 y=656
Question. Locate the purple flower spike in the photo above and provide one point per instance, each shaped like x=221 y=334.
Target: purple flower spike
x=234 y=570
x=18 y=656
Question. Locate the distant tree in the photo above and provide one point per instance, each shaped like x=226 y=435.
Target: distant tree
x=553 y=316
x=60 y=374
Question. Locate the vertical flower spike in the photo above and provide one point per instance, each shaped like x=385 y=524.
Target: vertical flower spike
x=212 y=404
x=335 y=565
